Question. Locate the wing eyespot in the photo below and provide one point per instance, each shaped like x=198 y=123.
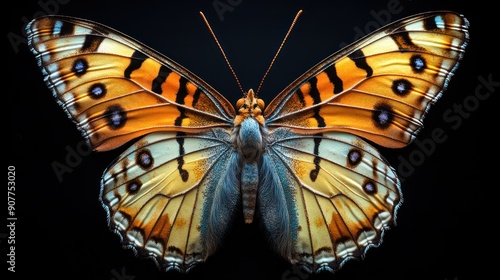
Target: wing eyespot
x=354 y=157
x=401 y=87
x=144 y=159
x=80 y=67
x=370 y=187
x=116 y=117
x=97 y=91
x=382 y=116
x=134 y=186
x=418 y=63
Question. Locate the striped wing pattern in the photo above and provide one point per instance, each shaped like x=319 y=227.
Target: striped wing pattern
x=116 y=89
x=344 y=195
x=160 y=192
x=380 y=87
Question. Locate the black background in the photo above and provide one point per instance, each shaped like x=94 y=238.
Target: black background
x=444 y=225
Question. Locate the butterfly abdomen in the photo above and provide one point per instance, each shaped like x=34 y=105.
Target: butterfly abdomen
x=249 y=146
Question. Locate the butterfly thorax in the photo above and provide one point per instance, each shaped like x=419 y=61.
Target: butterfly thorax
x=247 y=137
x=248 y=127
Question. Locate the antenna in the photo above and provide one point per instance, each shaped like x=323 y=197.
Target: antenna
x=272 y=61
x=279 y=49
x=222 y=51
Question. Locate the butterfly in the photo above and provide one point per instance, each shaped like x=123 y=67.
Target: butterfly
x=305 y=167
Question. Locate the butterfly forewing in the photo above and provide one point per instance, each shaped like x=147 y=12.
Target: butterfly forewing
x=380 y=87
x=116 y=89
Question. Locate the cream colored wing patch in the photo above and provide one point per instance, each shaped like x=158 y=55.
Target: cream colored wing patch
x=159 y=195
x=341 y=195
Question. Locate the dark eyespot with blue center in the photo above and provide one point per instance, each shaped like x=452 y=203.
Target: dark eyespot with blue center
x=115 y=116
x=97 y=91
x=80 y=67
x=401 y=87
x=144 y=159
x=417 y=63
x=354 y=157
x=134 y=186
x=370 y=187
x=382 y=115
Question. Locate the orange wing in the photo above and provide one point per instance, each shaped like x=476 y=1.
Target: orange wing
x=115 y=88
x=380 y=87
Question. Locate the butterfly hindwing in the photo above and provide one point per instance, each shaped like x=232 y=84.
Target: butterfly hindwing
x=161 y=192
x=380 y=87
x=344 y=195
x=115 y=88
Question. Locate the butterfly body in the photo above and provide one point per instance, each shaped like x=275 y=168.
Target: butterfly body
x=304 y=167
x=249 y=139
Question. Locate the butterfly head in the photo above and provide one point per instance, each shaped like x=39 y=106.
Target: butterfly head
x=250 y=106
